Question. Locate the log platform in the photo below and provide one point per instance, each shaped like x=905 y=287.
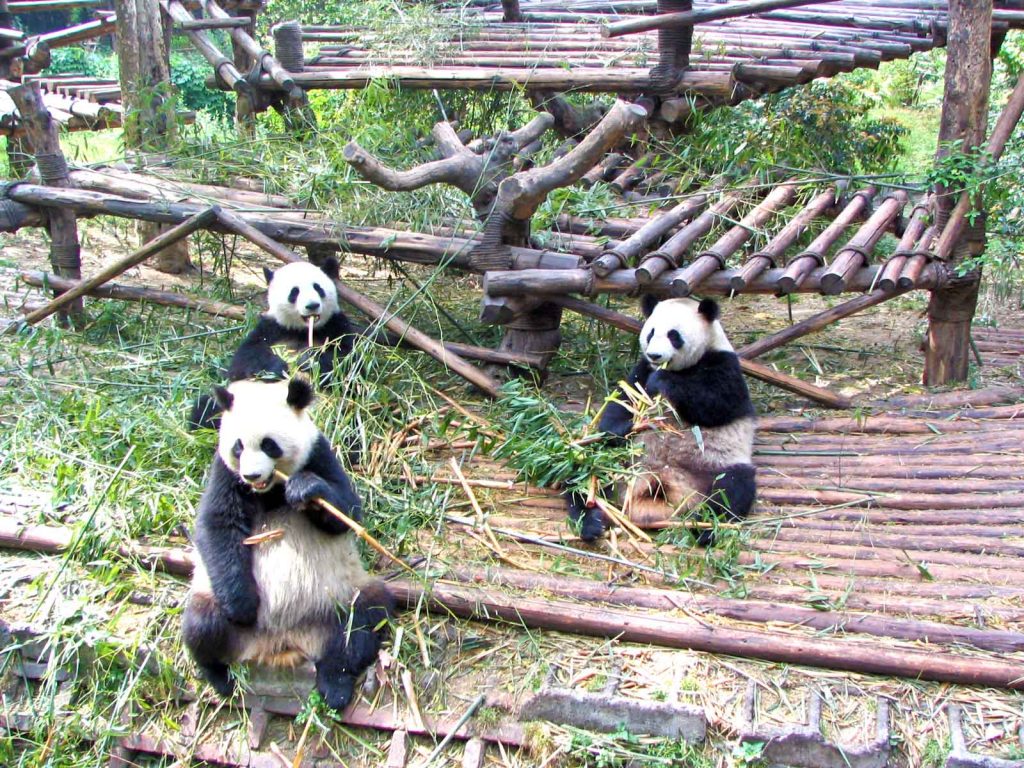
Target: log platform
x=567 y=47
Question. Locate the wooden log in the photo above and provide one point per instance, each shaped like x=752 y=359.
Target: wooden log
x=814 y=255
x=41 y=131
x=1001 y=132
x=183 y=230
x=670 y=253
x=370 y=308
x=671 y=632
x=856 y=252
x=224 y=68
x=757 y=611
x=230 y=22
x=815 y=323
x=692 y=18
x=769 y=256
x=134 y=293
x=241 y=37
x=46 y=6
x=716 y=257
x=297 y=230
x=783 y=381
x=625 y=252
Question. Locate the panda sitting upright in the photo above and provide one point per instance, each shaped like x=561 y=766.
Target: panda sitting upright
x=303 y=592
x=687 y=359
x=296 y=293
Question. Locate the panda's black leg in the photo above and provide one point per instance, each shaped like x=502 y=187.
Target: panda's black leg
x=353 y=645
x=205 y=414
x=731 y=497
x=590 y=521
x=210 y=638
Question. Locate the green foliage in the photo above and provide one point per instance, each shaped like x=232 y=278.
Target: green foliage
x=749 y=754
x=541 y=441
x=623 y=749
x=821 y=126
x=188 y=75
x=78 y=60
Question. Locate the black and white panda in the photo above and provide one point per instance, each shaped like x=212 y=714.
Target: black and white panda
x=296 y=292
x=303 y=595
x=687 y=359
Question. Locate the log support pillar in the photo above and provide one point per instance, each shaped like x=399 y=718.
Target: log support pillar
x=143 y=42
x=964 y=118
x=42 y=134
x=673 y=48
x=246 y=104
x=294 y=109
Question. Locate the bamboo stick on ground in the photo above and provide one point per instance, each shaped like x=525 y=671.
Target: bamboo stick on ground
x=743 y=610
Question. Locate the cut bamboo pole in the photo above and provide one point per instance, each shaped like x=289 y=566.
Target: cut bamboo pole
x=769 y=256
x=669 y=255
x=856 y=252
x=370 y=308
x=692 y=18
x=157 y=244
x=716 y=257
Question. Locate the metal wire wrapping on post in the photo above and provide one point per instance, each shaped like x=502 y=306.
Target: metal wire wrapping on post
x=52 y=166
x=288 y=45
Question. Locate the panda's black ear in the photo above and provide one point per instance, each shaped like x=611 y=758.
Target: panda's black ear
x=709 y=309
x=647 y=304
x=300 y=393
x=224 y=398
x=268 y=274
x=330 y=267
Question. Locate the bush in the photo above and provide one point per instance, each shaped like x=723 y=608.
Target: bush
x=98 y=63
x=188 y=74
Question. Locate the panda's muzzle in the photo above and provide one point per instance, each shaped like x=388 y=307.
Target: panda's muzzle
x=257 y=482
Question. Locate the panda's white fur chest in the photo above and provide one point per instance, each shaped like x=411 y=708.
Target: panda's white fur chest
x=301 y=574
x=678 y=447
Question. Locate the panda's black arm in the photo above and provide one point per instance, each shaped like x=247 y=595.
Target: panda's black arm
x=323 y=477
x=617 y=419
x=710 y=394
x=224 y=521
x=255 y=355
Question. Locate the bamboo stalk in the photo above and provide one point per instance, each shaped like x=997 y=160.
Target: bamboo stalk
x=355 y=527
x=855 y=253
x=157 y=244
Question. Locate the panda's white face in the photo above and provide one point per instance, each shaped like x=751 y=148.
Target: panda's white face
x=677 y=334
x=298 y=291
x=265 y=426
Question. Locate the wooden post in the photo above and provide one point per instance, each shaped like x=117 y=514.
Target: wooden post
x=145 y=75
x=964 y=119
x=41 y=132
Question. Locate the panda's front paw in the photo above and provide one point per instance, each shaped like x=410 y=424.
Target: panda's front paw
x=657 y=383
x=303 y=487
x=337 y=692
x=242 y=609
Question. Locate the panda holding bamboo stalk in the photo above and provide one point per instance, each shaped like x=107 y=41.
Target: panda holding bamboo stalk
x=703 y=456
x=278 y=578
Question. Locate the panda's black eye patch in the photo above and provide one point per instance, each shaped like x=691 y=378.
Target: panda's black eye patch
x=293 y=294
x=675 y=339
x=318 y=289
x=650 y=336
x=270 y=447
x=236 y=449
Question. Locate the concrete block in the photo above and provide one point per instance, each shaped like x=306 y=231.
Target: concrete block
x=803 y=746
x=959 y=757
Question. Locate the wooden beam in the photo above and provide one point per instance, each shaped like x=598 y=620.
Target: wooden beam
x=691 y=18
